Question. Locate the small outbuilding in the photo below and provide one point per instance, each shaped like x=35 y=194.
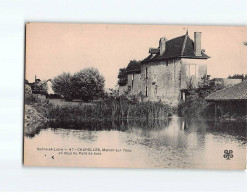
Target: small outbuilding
x=231 y=102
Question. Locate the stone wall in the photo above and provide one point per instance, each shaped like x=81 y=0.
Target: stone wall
x=161 y=81
x=133 y=86
x=192 y=70
x=134 y=83
x=122 y=89
x=165 y=79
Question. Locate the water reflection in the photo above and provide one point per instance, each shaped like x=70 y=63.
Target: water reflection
x=174 y=142
x=173 y=127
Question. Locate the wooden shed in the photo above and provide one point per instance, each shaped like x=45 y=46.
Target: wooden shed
x=230 y=102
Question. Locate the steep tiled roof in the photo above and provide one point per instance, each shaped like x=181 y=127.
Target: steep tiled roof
x=179 y=47
x=236 y=92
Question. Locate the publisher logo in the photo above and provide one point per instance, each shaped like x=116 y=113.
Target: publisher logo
x=228 y=154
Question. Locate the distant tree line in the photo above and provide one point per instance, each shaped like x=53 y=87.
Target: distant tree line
x=238 y=76
x=84 y=85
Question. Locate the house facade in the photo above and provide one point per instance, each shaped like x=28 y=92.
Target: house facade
x=169 y=69
x=133 y=85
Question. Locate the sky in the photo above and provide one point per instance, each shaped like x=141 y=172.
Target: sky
x=54 y=48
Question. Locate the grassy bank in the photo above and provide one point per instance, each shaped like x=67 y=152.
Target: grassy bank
x=108 y=108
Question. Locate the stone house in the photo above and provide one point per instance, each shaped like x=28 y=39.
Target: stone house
x=169 y=69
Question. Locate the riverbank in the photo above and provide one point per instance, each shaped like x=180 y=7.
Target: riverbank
x=110 y=108
x=32 y=116
x=32 y=119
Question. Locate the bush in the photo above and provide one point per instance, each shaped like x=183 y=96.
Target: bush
x=194 y=106
x=30 y=99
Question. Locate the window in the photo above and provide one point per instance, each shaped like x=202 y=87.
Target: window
x=146 y=91
x=192 y=70
x=183 y=95
x=132 y=83
x=146 y=73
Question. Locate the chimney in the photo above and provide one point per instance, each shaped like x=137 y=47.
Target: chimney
x=162 y=45
x=197 y=43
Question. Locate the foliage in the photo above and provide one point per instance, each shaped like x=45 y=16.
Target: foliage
x=84 y=84
x=118 y=109
x=238 y=76
x=195 y=104
x=28 y=89
x=63 y=86
x=122 y=77
x=109 y=108
x=88 y=83
x=133 y=66
x=30 y=99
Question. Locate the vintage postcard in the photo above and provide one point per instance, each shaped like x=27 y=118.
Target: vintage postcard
x=135 y=96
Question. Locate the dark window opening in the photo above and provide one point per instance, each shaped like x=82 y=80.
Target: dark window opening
x=132 y=83
x=146 y=75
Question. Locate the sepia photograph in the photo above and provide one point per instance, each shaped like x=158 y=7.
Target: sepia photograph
x=135 y=96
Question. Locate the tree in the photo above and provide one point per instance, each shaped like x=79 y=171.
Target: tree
x=195 y=104
x=88 y=83
x=133 y=66
x=238 y=76
x=122 y=77
x=62 y=85
x=84 y=84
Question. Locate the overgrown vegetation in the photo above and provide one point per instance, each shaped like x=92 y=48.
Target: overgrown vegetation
x=195 y=104
x=111 y=107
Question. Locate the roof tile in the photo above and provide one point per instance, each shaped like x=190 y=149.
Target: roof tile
x=236 y=92
x=175 y=48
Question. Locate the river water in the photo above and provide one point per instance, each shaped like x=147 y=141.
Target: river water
x=171 y=143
